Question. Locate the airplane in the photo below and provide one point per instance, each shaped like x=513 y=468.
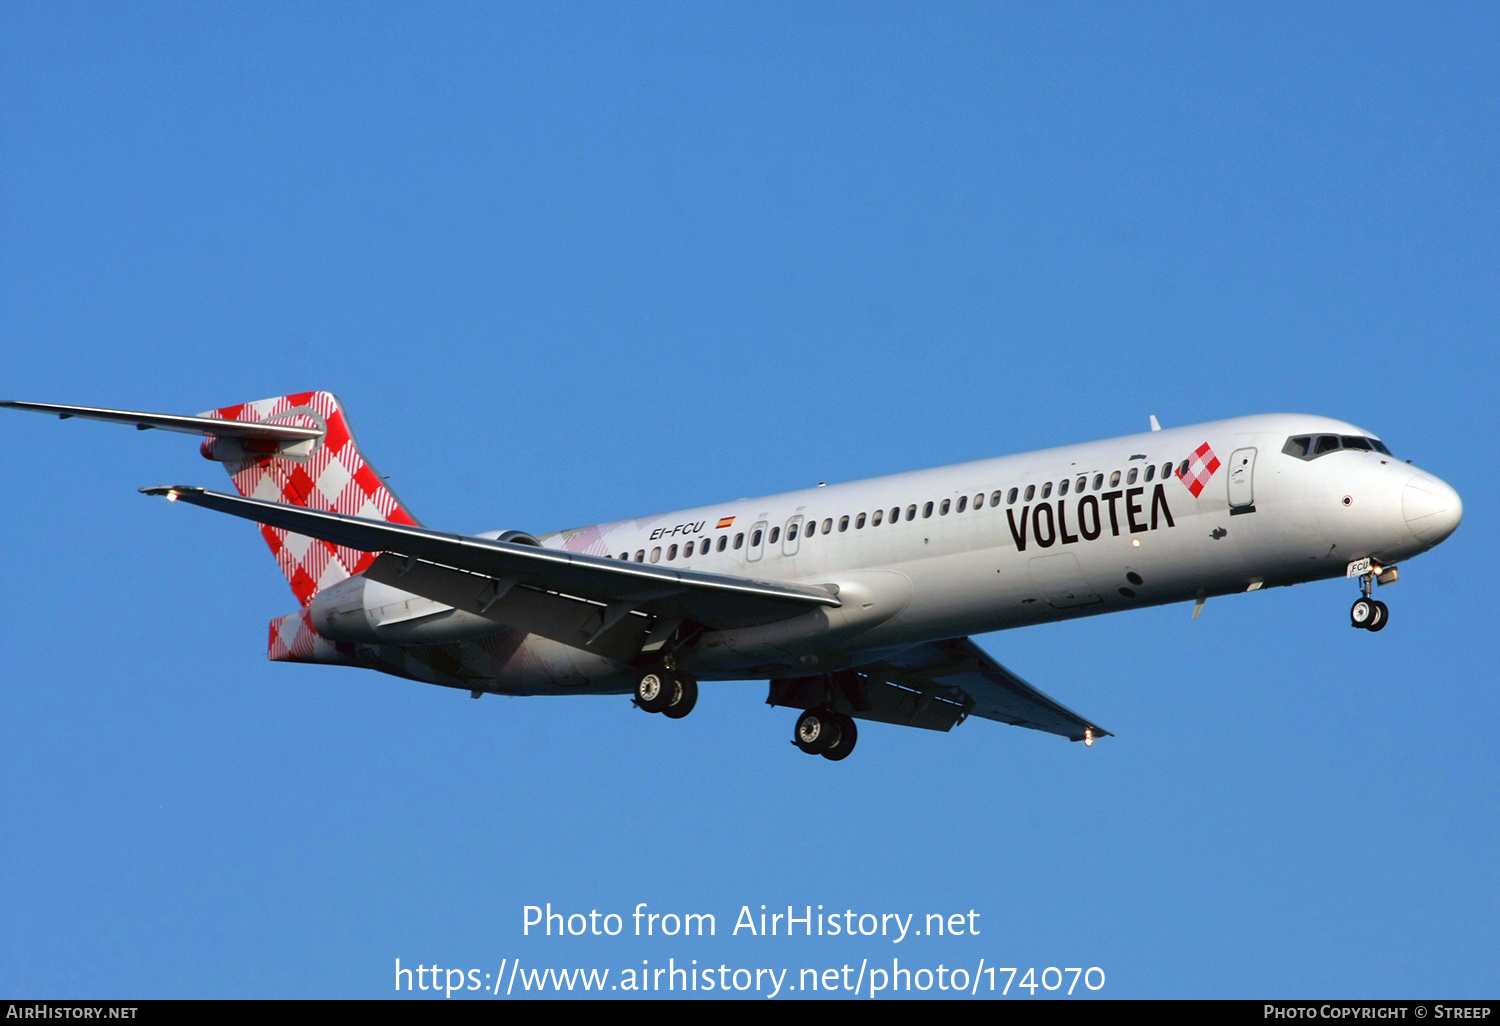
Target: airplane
x=854 y=601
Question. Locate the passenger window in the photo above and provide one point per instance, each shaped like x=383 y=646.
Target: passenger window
x=1062 y=486
x=776 y=533
x=1030 y=491
x=754 y=539
x=1114 y=479
x=1151 y=472
x=828 y=524
x=875 y=517
x=1010 y=499
x=995 y=497
x=979 y=500
x=625 y=556
x=1130 y=477
x=859 y=522
x=1166 y=471
x=791 y=532
x=895 y=514
x=1298 y=446
x=911 y=511
x=1098 y=481
x=724 y=538
x=687 y=551
x=843 y=524
x=943 y=509
x=671 y=552
x=640 y=555
x=656 y=554
x=926 y=511
x=1182 y=470
x=1047 y=490
x=963 y=503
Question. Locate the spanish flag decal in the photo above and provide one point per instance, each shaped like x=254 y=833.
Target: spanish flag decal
x=724 y=522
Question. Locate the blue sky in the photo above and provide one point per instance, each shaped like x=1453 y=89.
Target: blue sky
x=569 y=263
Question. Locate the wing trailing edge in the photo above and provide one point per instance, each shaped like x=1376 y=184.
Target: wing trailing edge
x=714 y=600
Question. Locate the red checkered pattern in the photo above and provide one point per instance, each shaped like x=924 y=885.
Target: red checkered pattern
x=333 y=477
x=293 y=639
x=1199 y=469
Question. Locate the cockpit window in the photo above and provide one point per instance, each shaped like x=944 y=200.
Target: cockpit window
x=1309 y=447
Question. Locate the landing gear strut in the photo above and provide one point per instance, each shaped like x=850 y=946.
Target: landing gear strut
x=666 y=691
x=1369 y=613
x=825 y=732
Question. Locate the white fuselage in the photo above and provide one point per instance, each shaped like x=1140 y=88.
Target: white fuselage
x=996 y=543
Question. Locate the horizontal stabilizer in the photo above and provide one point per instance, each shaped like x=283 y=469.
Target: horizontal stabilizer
x=281 y=433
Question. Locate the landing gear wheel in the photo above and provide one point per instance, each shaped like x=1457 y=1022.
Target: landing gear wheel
x=1382 y=617
x=685 y=696
x=656 y=690
x=1362 y=613
x=848 y=735
x=817 y=731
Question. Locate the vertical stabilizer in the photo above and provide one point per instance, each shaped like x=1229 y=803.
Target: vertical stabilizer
x=328 y=473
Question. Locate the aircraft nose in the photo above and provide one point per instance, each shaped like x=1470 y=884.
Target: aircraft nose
x=1432 y=508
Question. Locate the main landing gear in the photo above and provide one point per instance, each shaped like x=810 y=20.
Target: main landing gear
x=825 y=732
x=1369 y=613
x=666 y=691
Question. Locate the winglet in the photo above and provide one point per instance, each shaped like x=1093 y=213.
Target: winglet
x=1155 y=424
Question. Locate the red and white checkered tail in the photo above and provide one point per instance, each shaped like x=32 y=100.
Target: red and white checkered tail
x=328 y=473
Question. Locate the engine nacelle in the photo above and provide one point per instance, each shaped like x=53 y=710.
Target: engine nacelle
x=360 y=609
x=370 y=610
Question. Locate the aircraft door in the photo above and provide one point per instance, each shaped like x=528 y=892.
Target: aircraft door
x=757 y=541
x=1241 y=481
x=793 y=536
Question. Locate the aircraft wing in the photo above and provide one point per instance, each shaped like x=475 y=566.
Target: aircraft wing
x=713 y=600
x=947 y=668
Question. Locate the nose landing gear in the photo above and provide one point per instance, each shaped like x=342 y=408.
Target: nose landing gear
x=1369 y=613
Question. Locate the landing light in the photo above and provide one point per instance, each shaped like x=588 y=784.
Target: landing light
x=171 y=496
x=1088 y=737
x=1136 y=542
